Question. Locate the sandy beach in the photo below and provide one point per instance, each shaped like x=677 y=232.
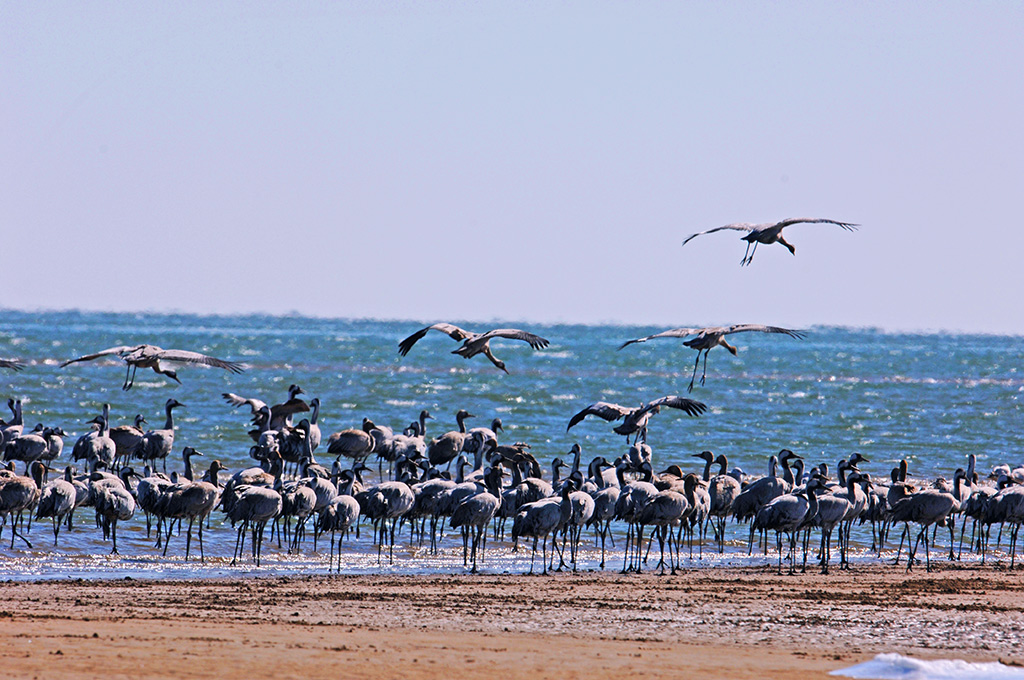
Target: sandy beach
x=728 y=623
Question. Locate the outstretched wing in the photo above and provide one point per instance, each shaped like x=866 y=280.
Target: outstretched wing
x=689 y=406
x=184 y=356
x=288 y=408
x=454 y=332
x=12 y=364
x=849 y=226
x=236 y=401
x=674 y=333
x=120 y=351
x=535 y=341
x=738 y=226
x=601 y=409
x=743 y=327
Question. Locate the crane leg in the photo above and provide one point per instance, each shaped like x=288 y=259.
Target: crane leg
x=694 y=376
x=747 y=259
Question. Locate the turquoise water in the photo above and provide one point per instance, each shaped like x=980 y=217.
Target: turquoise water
x=930 y=398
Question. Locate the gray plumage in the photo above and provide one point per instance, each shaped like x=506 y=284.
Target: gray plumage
x=158 y=443
x=351 y=443
x=769 y=232
x=57 y=500
x=474 y=343
x=634 y=420
x=448 y=446
x=151 y=356
x=96 y=447
x=722 y=490
x=280 y=414
x=127 y=438
x=253 y=507
x=113 y=503
x=709 y=337
x=340 y=514
x=785 y=514
x=475 y=513
x=539 y=519
x=193 y=501
x=18 y=494
x=926 y=508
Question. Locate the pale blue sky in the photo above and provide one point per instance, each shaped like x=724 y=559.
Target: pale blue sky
x=528 y=161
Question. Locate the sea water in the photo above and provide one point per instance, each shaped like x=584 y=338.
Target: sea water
x=930 y=398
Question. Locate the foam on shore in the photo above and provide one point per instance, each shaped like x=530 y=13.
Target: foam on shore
x=899 y=667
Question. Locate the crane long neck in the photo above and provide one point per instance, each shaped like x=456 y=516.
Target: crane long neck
x=188 y=467
x=517 y=475
x=37 y=473
x=812 y=506
x=594 y=470
x=787 y=473
x=494 y=483
x=169 y=422
x=707 y=469
x=308 y=445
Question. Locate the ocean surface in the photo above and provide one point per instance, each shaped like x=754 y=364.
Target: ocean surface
x=930 y=398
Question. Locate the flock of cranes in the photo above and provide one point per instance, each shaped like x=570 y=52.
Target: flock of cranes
x=465 y=480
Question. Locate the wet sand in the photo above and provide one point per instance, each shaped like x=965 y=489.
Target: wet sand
x=724 y=622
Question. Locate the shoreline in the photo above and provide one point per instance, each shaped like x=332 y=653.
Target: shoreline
x=728 y=622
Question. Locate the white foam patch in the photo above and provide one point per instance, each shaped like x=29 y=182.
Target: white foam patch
x=886 y=666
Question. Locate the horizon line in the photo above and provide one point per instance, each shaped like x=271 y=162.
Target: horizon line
x=296 y=314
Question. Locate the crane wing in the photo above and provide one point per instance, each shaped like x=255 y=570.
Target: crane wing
x=451 y=330
x=738 y=226
x=290 y=407
x=689 y=406
x=849 y=226
x=120 y=351
x=535 y=341
x=743 y=327
x=674 y=333
x=12 y=364
x=184 y=356
x=601 y=409
x=236 y=401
